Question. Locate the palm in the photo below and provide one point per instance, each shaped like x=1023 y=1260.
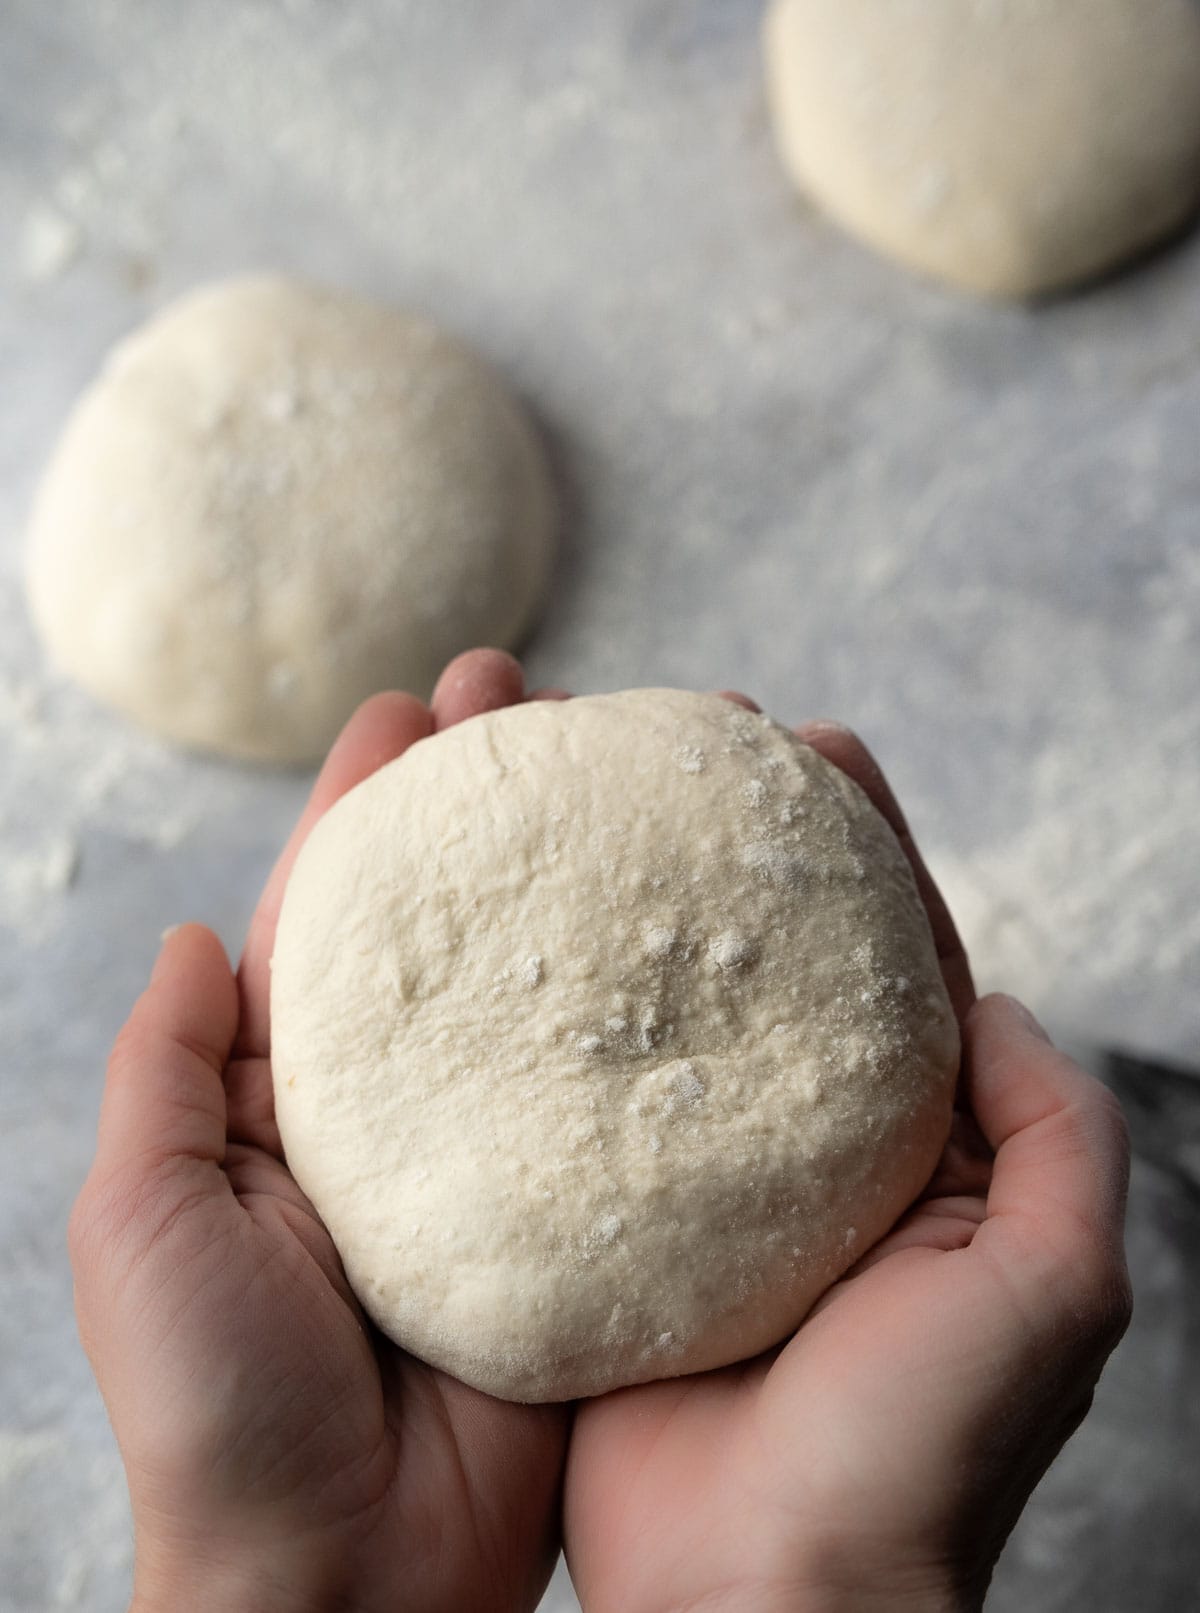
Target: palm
x=446 y=1492
x=735 y=1465
x=262 y=1391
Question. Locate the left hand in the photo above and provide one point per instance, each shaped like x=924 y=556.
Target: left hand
x=280 y=1452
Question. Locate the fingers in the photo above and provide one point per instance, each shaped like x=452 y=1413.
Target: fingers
x=161 y=1137
x=1056 y=1205
x=380 y=730
x=475 y=682
x=163 y=1096
x=846 y=751
x=250 y=1106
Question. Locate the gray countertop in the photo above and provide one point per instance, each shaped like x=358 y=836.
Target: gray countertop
x=972 y=532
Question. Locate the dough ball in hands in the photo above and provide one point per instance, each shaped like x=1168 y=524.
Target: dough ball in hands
x=276 y=500
x=1010 y=147
x=606 y=1034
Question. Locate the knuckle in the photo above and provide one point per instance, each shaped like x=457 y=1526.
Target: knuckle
x=79 y=1226
x=107 y=1209
x=1118 y=1123
x=1116 y=1313
x=90 y=1228
x=128 y=1045
x=1109 y=1112
x=1104 y=1306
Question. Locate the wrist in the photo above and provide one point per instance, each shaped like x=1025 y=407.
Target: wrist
x=892 y=1589
x=866 y=1582
x=224 y=1578
x=933 y=1599
x=844 y=1599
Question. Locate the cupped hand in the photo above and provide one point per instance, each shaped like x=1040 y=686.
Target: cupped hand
x=879 y=1458
x=280 y=1452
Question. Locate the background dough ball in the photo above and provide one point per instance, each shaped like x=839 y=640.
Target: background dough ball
x=606 y=1034
x=1011 y=147
x=275 y=500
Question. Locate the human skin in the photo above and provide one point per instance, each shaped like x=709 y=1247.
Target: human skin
x=281 y=1454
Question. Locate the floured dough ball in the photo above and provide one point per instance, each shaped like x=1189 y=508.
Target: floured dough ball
x=1010 y=147
x=606 y=1035
x=276 y=500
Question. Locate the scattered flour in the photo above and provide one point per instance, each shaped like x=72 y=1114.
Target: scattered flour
x=1074 y=912
x=49 y=242
x=904 y=422
x=71 y=774
x=730 y=950
x=532 y=972
x=659 y=942
x=775 y=865
x=1087 y=417
x=37 y=1467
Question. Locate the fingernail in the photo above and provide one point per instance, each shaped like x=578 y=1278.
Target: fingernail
x=168 y=933
x=1031 y=1024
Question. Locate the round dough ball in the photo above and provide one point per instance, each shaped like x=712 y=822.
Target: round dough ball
x=606 y=1035
x=276 y=500
x=1010 y=147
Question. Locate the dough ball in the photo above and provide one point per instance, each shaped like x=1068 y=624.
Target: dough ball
x=276 y=500
x=1010 y=147
x=606 y=1035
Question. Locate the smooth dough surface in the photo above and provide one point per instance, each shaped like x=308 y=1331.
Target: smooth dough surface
x=275 y=500
x=1010 y=147
x=606 y=1034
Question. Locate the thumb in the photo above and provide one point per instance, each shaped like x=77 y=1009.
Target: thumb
x=163 y=1102
x=164 y=1096
x=1056 y=1206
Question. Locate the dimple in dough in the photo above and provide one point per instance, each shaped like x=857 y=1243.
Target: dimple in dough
x=1010 y=147
x=275 y=500
x=606 y=1035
